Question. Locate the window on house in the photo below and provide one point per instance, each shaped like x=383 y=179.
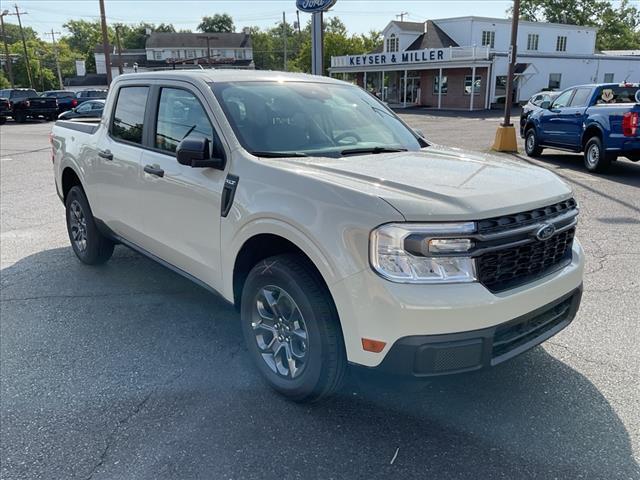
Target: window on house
x=191 y=53
x=393 y=43
x=436 y=84
x=555 y=79
x=532 y=41
x=501 y=85
x=608 y=78
x=240 y=54
x=469 y=84
x=157 y=55
x=488 y=38
x=561 y=44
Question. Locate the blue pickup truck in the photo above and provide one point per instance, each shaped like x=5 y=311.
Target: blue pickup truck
x=603 y=121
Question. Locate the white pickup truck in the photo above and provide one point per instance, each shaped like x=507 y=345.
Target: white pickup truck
x=340 y=234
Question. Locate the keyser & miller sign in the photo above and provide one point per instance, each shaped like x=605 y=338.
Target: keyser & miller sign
x=417 y=56
x=315 y=6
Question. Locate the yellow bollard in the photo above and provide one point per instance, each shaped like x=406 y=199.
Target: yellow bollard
x=505 y=139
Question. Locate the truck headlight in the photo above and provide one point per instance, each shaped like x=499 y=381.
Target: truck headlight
x=423 y=253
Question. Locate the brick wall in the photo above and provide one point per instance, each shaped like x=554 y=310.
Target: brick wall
x=455 y=97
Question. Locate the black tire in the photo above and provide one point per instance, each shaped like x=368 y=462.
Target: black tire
x=596 y=158
x=96 y=248
x=52 y=117
x=531 y=146
x=3 y=120
x=325 y=362
x=20 y=117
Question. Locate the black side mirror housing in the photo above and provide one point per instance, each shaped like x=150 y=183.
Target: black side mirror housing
x=194 y=152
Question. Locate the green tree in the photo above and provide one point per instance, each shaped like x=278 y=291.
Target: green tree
x=619 y=28
x=12 y=31
x=83 y=38
x=4 y=81
x=218 y=23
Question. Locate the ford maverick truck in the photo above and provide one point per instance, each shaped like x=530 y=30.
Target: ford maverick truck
x=603 y=121
x=341 y=235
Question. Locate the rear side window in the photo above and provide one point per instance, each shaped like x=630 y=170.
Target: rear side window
x=180 y=115
x=128 y=118
x=582 y=96
x=617 y=94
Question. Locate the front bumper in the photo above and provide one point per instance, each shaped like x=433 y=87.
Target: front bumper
x=426 y=356
x=372 y=308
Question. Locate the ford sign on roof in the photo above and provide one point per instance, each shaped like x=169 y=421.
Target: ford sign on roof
x=315 y=6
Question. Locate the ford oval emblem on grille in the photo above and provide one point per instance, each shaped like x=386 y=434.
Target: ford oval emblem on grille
x=545 y=232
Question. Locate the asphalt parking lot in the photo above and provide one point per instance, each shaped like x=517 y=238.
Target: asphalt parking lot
x=130 y=371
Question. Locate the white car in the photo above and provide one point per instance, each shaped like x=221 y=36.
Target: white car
x=341 y=235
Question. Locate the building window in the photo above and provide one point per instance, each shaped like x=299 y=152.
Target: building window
x=501 y=86
x=608 y=78
x=561 y=44
x=468 y=84
x=157 y=55
x=488 y=38
x=555 y=79
x=436 y=83
x=393 y=43
x=191 y=53
x=532 y=41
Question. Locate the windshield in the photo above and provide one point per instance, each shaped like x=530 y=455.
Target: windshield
x=301 y=118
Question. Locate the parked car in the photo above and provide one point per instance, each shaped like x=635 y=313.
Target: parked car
x=5 y=110
x=85 y=95
x=340 y=234
x=600 y=120
x=89 y=109
x=66 y=99
x=26 y=103
x=533 y=105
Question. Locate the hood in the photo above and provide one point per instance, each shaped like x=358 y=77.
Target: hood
x=442 y=184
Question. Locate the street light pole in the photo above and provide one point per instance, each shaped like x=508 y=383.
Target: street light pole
x=7 y=57
x=506 y=135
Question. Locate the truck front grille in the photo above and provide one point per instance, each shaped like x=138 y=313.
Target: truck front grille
x=509 y=256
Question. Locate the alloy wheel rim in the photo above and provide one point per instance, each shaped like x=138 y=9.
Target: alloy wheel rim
x=280 y=332
x=530 y=142
x=593 y=155
x=78 y=226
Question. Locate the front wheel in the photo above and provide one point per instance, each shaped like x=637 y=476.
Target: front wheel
x=596 y=158
x=89 y=245
x=20 y=117
x=531 y=145
x=292 y=330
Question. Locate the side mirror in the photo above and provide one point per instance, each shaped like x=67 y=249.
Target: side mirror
x=194 y=152
x=546 y=105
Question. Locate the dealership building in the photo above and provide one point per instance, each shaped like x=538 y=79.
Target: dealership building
x=462 y=63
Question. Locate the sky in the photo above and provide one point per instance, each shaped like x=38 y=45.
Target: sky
x=360 y=16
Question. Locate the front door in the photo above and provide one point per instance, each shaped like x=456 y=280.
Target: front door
x=552 y=121
x=180 y=205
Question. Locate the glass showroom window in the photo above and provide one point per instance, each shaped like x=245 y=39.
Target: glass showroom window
x=477 y=85
x=436 y=83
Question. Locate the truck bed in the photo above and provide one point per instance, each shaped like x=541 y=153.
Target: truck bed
x=80 y=126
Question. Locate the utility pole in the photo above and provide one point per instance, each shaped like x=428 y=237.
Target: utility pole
x=105 y=42
x=506 y=134
x=401 y=15
x=284 y=37
x=55 y=55
x=299 y=27
x=24 y=45
x=7 y=57
x=120 y=69
x=208 y=38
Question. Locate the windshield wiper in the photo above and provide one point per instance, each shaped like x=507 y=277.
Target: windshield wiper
x=358 y=151
x=278 y=154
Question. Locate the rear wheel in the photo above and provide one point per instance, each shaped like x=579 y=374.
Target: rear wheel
x=20 y=117
x=3 y=120
x=292 y=330
x=596 y=158
x=531 y=145
x=89 y=245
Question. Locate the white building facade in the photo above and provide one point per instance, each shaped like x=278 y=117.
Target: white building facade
x=462 y=63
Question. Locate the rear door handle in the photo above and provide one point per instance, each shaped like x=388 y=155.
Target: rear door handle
x=106 y=154
x=153 y=170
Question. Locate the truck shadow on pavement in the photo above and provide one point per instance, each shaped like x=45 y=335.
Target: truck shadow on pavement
x=130 y=371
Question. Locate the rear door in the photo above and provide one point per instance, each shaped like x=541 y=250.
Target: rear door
x=116 y=177
x=551 y=121
x=181 y=206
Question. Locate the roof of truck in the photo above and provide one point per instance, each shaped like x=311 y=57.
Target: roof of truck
x=228 y=75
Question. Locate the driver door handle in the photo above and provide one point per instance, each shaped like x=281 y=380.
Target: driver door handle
x=106 y=154
x=153 y=170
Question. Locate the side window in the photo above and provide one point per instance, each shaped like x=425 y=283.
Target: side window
x=582 y=96
x=128 y=118
x=563 y=99
x=97 y=106
x=180 y=114
x=83 y=108
x=536 y=100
